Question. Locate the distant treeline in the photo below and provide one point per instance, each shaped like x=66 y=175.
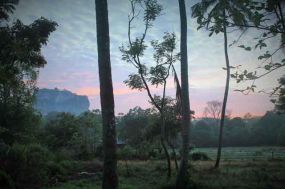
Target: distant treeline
x=142 y=125
x=268 y=130
x=57 y=140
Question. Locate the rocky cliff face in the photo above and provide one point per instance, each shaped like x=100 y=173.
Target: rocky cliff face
x=54 y=100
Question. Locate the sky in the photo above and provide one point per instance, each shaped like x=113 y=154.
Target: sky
x=71 y=55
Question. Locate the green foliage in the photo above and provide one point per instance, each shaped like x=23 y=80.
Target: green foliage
x=20 y=59
x=5 y=181
x=77 y=137
x=245 y=48
x=132 y=125
x=91 y=129
x=139 y=128
x=199 y=156
x=209 y=14
x=127 y=152
x=164 y=52
x=6 y=8
x=232 y=174
x=27 y=165
x=142 y=128
x=56 y=172
x=240 y=132
x=135 y=82
x=158 y=74
x=61 y=131
x=151 y=10
x=280 y=101
x=264 y=17
x=163 y=56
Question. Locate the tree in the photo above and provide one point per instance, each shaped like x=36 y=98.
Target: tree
x=20 y=59
x=110 y=178
x=59 y=132
x=204 y=133
x=91 y=130
x=172 y=126
x=213 y=109
x=280 y=101
x=7 y=7
x=133 y=125
x=215 y=15
x=164 y=56
x=182 y=176
x=265 y=22
x=247 y=116
x=268 y=129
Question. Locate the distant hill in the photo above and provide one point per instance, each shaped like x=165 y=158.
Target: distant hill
x=55 y=100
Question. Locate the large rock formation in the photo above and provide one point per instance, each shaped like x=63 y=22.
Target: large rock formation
x=55 y=100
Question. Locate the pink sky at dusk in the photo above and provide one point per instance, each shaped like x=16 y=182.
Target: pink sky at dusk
x=71 y=54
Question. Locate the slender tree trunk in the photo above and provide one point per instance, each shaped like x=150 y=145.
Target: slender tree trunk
x=163 y=132
x=222 y=122
x=174 y=153
x=4 y=104
x=182 y=176
x=110 y=178
x=162 y=139
x=127 y=167
x=281 y=15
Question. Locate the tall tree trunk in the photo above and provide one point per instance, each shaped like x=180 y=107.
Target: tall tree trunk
x=222 y=122
x=110 y=178
x=182 y=176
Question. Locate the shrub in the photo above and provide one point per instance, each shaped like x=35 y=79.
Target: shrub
x=5 y=181
x=56 y=172
x=67 y=164
x=63 y=154
x=29 y=166
x=99 y=151
x=126 y=153
x=199 y=156
x=34 y=173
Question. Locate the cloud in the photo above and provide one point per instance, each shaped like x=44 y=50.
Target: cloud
x=93 y=91
x=71 y=54
x=88 y=91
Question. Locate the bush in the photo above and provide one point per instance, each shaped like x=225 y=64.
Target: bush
x=29 y=166
x=63 y=154
x=56 y=172
x=199 y=156
x=5 y=181
x=126 y=153
x=67 y=164
x=99 y=151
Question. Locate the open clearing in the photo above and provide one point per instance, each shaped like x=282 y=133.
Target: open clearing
x=251 y=167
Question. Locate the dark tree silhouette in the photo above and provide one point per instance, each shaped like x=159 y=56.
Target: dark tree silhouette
x=156 y=75
x=213 y=109
x=265 y=22
x=182 y=176
x=20 y=59
x=110 y=178
x=280 y=101
x=214 y=15
x=223 y=115
x=7 y=7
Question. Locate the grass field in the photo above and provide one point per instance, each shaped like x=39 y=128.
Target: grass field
x=243 y=168
x=245 y=153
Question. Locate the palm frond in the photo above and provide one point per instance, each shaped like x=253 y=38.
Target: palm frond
x=178 y=91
